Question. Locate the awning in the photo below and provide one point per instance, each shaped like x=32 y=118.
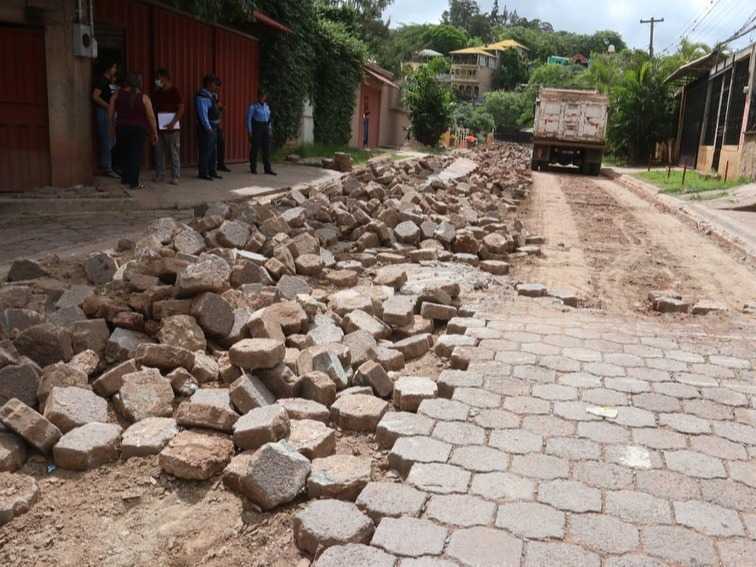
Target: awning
x=696 y=68
x=381 y=78
x=270 y=22
x=471 y=51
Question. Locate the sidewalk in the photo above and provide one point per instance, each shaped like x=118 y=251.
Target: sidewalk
x=108 y=196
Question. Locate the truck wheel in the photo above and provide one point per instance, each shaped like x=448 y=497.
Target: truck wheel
x=595 y=169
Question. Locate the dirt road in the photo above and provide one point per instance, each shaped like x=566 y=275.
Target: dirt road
x=613 y=247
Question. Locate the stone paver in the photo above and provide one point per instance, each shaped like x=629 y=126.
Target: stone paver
x=409 y=537
x=485 y=547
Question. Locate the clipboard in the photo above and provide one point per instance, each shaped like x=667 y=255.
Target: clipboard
x=164 y=118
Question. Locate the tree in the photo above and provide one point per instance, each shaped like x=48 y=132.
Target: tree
x=461 y=13
x=512 y=70
x=642 y=111
x=224 y=11
x=430 y=105
x=475 y=118
x=509 y=110
x=480 y=26
x=445 y=38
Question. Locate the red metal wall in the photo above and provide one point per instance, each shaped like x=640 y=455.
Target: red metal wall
x=236 y=62
x=24 y=133
x=158 y=37
x=185 y=47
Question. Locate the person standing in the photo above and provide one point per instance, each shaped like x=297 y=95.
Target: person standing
x=102 y=92
x=219 y=129
x=207 y=113
x=258 y=129
x=169 y=109
x=366 y=128
x=134 y=117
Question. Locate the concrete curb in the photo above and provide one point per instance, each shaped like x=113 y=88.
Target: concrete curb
x=706 y=225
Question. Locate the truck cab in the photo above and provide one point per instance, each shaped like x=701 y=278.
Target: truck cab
x=570 y=129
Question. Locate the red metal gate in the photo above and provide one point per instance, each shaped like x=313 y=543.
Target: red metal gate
x=24 y=136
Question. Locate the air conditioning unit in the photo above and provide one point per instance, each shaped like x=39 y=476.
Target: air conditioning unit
x=84 y=42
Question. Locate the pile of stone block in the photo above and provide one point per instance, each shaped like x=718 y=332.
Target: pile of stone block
x=239 y=342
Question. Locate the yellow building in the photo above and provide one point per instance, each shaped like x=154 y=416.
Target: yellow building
x=473 y=68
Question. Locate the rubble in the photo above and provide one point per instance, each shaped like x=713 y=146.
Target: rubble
x=87 y=447
x=295 y=316
x=339 y=476
x=18 y=493
x=275 y=474
x=148 y=437
x=196 y=456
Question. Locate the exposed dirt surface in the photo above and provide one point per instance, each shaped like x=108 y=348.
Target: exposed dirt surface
x=614 y=247
x=129 y=515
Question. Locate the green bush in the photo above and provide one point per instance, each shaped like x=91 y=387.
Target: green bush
x=509 y=109
x=430 y=105
x=339 y=73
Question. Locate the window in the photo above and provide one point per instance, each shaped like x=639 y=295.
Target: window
x=711 y=117
x=737 y=103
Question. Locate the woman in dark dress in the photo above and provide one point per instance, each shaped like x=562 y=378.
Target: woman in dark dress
x=131 y=112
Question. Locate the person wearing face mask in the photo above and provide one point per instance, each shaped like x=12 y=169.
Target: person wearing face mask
x=169 y=109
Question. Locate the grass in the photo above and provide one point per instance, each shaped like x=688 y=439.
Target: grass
x=323 y=151
x=694 y=182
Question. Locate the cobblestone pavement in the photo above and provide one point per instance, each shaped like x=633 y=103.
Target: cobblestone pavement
x=577 y=440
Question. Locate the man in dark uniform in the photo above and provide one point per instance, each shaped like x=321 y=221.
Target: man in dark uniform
x=207 y=114
x=258 y=129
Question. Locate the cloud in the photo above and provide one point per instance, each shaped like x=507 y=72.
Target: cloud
x=588 y=16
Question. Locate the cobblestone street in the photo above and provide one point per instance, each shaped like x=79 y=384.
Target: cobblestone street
x=576 y=440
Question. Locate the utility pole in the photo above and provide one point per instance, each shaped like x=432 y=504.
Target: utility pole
x=652 y=21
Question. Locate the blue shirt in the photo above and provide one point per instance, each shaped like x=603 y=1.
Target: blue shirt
x=257 y=112
x=204 y=101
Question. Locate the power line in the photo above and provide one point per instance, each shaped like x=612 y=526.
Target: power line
x=692 y=25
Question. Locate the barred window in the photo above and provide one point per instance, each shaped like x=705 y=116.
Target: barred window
x=737 y=103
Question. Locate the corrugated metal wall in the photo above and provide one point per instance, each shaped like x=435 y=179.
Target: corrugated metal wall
x=185 y=47
x=158 y=37
x=24 y=133
x=236 y=62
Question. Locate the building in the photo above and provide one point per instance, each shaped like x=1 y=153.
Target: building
x=717 y=120
x=473 y=68
x=388 y=120
x=46 y=51
x=422 y=57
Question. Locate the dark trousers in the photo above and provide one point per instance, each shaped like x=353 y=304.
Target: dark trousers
x=260 y=141
x=131 y=149
x=208 y=151
x=221 y=147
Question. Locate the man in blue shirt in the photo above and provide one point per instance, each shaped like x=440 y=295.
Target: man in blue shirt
x=258 y=129
x=207 y=118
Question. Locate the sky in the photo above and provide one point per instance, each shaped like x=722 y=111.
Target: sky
x=587 y=16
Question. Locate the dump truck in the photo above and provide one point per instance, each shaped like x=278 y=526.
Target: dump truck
x=570 y=129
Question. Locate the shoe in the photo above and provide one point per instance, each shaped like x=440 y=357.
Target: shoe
x=205 y=177
x=112 y=174
x=253 y=171
x=224 y=168
x=271 y=172
x=174 y=181
x=215 y=176
x=158 y=178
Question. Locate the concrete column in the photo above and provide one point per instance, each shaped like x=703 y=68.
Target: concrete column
x=69 y=81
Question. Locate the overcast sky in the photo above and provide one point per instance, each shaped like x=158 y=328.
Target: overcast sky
x=587 y=16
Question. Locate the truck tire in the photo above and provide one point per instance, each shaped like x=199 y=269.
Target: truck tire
x=595 y=169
